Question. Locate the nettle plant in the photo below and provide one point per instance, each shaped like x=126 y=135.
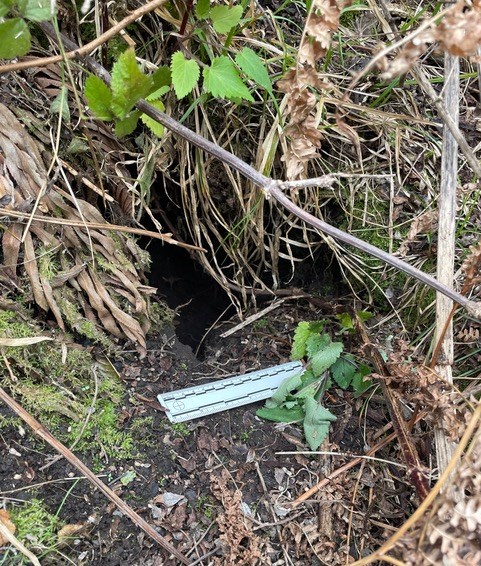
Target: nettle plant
x=299 y=398
x=15 y=39
x=221 y=76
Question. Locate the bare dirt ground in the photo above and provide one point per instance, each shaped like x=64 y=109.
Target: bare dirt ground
x=221 y=488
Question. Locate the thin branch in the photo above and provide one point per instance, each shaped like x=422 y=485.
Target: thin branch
x=78 y=52
x=271 y=188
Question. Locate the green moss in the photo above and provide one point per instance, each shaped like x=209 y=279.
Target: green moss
x=36 y=528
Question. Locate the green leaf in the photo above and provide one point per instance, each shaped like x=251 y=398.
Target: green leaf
x=161 y=78
x=359 y=384
x=225 y=18
x=185 y=74
x=281 y=414
x=251 y=64
x=60 y=104
x=345 y=321
x=316 y=422
x=343 y=372
x=302 y=333
x=315 y=343
x=324 y=359
x=14 y=38
x=202 y=9
x=36 y=10
x=222 y=80
x=128 y=84
x=99 y=98
x=152 y=124
x=288 y=385
x=127 y=125
x=4 y=8
x=364 y=315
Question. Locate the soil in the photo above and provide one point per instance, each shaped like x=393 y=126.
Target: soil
x=234 y=475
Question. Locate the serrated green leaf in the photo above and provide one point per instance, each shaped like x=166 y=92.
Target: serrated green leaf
x=224 y=18
x=161 y=78
x=252 y=66
x=316 y=422
x=185 y=74
x=60 y=104
x=281 y=414
x=202 y=9
x=364 y=315
x=345 y=321
x=128 y=84
x=36 y=10
x=14 y=38
x=316 y=342
x=302 y=333
x=99 y=98
x=127 y=125
x=152 y=124
x=222 y=80
x=324 y=359
x=343 y=372
x=288 y=385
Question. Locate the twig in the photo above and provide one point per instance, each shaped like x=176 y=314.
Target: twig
x=271 y=188
x=13 y=540
x=78 y=52
x=389 y=544
x=44 y=434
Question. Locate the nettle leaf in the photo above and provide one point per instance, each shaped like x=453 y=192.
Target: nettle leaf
x=222 y=80
x=324 y=359
x=60 y=104
x=202 y=9
x=288 y=385
x=14 y=38
x=161 y=78
x=99 y=98
x=128 y=84
x=316 y=342
x=343 y=372
x=127 y=125
x=251 y=64
x=152 y=124
x=302 y=333
x=36 y=10
x=281 y=414
x=185 y=74
x=224 y=18
x=316 y=422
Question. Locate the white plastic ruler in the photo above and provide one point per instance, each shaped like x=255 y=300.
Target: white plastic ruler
x=216 y=396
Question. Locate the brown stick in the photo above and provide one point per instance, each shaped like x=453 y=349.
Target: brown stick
x=408 y=449
x=43 y=433
x=272 y=188
x=78 y=52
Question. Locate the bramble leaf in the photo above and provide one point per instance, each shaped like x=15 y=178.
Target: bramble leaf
x=324 y=359
x=15 y=38
x=302 y=333
x=128 y=84
x=251 y=64
x=316 y=422
x=127 y=125
x=222 y=80
x=281 y=414
x=224 y=18
x=36 y=10
x=202 y=9
x=99 y=98
x=185 y=74
x=288 y=385
x=343 y=372
x=152 y=124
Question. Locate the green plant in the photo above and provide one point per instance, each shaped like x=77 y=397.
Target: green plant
x=299 y=398
x=15 y=36
x=221 y=76
x=181 y=429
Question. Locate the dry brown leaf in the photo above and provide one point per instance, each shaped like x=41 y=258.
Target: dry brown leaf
x=5 y=520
